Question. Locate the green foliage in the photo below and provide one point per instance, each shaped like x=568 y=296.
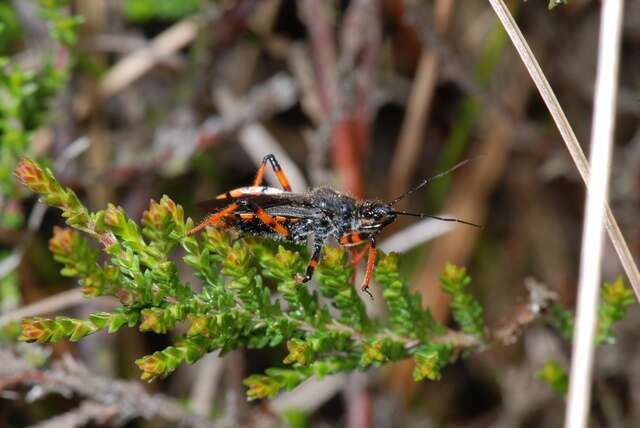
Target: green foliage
x=41 y=180
x=63 y=28
x=9 y=290
x=466 y=310
x=42 y=330
x=555 y=3
x=326 y=331
x=335 y=282
x=10 y=333
x=81 y=260
x=562 y=320
x=26 y=95
x=25 y=101
x=295 y=418
x=10 y=29
x=554 y=375
x=166 y=10
x=406 y=314
x=615 y=299
x=430 y=359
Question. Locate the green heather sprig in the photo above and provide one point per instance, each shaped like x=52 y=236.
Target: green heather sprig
x=41 y=181
x=80 y=260
x=325 y=330
x=466 y=310
x=27 y=95
x=554 y=375
x=615 y=299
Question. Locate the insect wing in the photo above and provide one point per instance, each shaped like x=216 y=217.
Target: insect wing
x=285 y=204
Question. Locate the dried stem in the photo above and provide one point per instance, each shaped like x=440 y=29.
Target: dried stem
x=87 y=412
x=602 y=132
x=73 y=378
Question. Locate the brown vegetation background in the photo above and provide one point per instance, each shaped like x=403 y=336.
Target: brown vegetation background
x=368 y=97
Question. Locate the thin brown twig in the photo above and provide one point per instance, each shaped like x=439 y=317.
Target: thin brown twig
x=135 y=65
x=71 y=377
x=88 y=411
x=174 y=145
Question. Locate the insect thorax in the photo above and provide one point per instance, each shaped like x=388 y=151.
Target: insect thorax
x=339 y=211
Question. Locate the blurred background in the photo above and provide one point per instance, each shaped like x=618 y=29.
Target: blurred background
x=185 y=98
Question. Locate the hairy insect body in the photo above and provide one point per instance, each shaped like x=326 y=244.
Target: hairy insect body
x=318 y=215
x=337 y=212
x=314 y=216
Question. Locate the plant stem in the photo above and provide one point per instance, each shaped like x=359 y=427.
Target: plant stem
x=602 y=131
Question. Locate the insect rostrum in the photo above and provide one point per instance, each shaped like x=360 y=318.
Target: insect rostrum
x=319 y=214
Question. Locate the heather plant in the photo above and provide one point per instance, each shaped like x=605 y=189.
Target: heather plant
x=145 y=10
x=26 y=95
x=615 y=300
x=247 y=296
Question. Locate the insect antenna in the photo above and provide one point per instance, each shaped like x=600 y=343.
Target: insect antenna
x=457 y=220
x=430 y=179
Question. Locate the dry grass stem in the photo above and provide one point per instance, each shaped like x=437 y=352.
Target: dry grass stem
x=602 y=134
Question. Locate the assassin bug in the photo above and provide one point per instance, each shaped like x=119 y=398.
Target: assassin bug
x=319 y=214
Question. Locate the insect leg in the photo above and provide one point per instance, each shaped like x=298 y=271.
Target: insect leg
x=370 y=261
x=265 y=217
x=356 y=238
x=356 y=257
x=276 y=168
x=315 y=258
x=214 y=218
x=351 y=239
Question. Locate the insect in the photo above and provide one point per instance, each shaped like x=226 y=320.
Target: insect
x=319 y=214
